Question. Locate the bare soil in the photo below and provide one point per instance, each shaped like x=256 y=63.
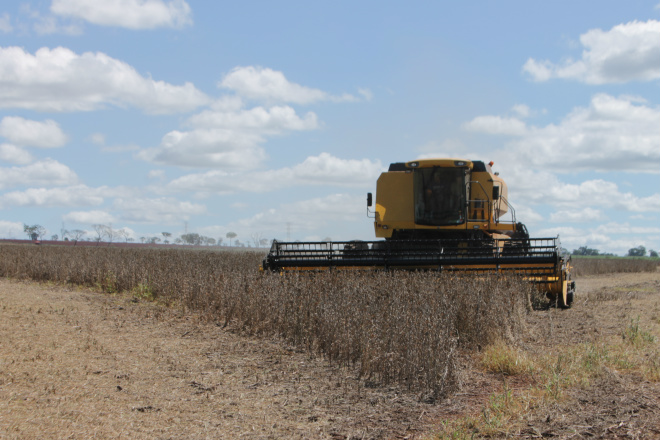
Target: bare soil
x=79 y=364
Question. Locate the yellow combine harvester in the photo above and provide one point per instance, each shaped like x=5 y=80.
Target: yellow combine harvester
x=443 y=215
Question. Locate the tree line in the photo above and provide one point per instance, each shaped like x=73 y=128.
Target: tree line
x=107 y=234
x=639 y=251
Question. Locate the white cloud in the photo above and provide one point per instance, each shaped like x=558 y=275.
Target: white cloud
x=227 y=139
x=157 y=211
x=11 y=229
x=216 y=148
x=330 y=170
x=28 y=133
x=45 y=24
x=496 y=125
x=453 y=147
x=531 y=186
x=119 y=148
x=89 y=217
x=610 y=237
x=77 y=195
x=330 y=214
x=323 y=169
x=522 y=110
x=13 y=154
x=626 y=228
x=60 y=80
x=5 y=23
x=612 y=134
x=366 y=94
x=585 y=215
x=97 y=138
x=132 y=14
x=47 y=172
x=270 y=85
x=271 y=121
x=156 y=174
x=627 y=52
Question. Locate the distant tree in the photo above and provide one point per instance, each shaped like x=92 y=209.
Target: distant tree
x=639 y=251
x=583 y=250
x=256 y=238
x=167 y=236
x=153 y=240
x=219 y=241
x=231 y=236
x=75 y=235
x=192 y=238
x=34 y=232
x=122 y=233
x=54 y=237
x=101 y=231
x=110 y=234
x=653 y=253
x=263 y=242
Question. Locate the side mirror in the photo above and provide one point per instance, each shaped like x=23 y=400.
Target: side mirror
x=496 y=192
x=369 y=199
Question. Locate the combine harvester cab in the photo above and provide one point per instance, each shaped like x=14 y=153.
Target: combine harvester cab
x=443 y=215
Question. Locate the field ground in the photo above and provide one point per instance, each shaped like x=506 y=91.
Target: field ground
x=75 y=363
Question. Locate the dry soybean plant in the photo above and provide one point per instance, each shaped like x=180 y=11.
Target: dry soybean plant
x=599 y=266
x=406 y=328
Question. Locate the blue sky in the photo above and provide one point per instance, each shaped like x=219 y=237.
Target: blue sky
x=274 y=119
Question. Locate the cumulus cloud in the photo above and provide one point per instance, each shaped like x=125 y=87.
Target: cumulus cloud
x=28 y=133
x=131 y=14
x=157 y=211
x=270 y=85
x=47 y=172
x=11 y=229
x=89 y=217
x=330 y=214
x=13 y=154
x=76 y=195
x=496 y=125
x=227 y=139
x=59 y=80
x=323 y=169
x=47 y=24
x=5 y=23
x=617 y=238
x=577 y=216
x=611 y=134
x=534 y=186
x=273 y=120
x=208 y=148
x=627 y=52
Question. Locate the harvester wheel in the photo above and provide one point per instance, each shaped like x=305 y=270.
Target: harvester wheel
x=564 y=301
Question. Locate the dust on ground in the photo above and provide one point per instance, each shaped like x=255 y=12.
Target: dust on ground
x=79 y=364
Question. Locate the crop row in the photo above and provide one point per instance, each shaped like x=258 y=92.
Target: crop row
x=599 y=266
x=407 y=328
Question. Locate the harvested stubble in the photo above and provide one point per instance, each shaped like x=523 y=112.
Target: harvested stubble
x=403 y=327
x=600 y=266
